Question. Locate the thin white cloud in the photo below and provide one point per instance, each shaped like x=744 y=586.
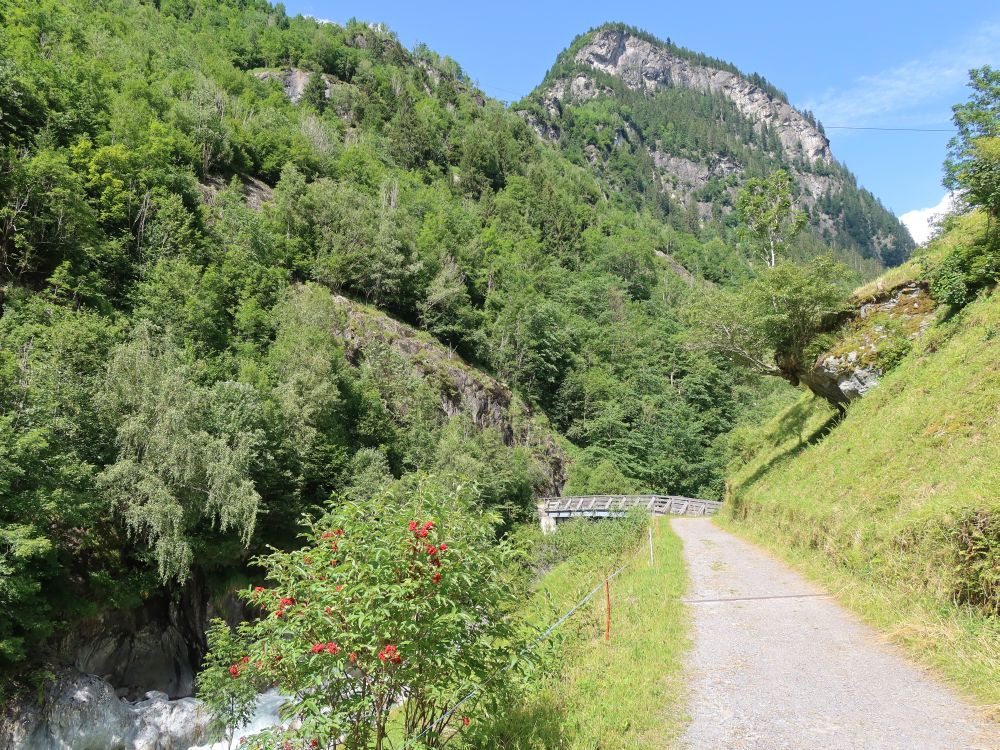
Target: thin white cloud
x=905 y=91
x=922 y=221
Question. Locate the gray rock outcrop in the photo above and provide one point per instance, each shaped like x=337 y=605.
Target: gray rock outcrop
x=293 y=81
x=855 y=366
x=644 y=65
x=462 y=388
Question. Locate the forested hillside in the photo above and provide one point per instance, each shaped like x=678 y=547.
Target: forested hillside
x=676 y=133
x=190 y=192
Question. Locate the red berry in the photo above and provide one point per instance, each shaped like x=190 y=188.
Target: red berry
x=413 y=525
x=443 y=547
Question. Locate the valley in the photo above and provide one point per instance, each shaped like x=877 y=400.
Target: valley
x=298 y=327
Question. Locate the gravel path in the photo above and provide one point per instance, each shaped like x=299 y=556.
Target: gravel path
x=799 y=672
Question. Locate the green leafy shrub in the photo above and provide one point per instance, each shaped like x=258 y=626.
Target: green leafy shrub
x=976 y=539
x=403 y=601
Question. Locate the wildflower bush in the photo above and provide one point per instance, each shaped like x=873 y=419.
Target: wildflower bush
x=390 y=613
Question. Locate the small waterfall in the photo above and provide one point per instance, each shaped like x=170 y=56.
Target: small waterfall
x=265 y=715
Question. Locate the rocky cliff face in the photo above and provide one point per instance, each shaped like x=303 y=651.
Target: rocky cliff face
x=881 y=331
x=749 y=131
x=462 y=389
x=643 y=65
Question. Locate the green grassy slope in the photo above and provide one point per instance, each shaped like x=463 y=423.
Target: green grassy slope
x=898 y=506
x=626 y=694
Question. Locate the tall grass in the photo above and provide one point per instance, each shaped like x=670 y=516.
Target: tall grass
x=624 y=694
x=897 y=507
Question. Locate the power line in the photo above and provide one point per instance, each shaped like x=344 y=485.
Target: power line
x=912 y=130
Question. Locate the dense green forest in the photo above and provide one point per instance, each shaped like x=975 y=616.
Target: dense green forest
x=173 y=230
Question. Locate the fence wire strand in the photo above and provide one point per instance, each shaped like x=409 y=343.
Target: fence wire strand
x=443 y=719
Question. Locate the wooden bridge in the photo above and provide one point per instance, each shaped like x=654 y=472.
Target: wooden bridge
x=551 y=510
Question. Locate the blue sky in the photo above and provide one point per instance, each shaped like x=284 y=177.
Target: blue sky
x=874 y=63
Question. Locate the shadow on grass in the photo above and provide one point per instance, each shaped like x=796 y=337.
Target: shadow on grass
x=792 y=425
x=538 y=723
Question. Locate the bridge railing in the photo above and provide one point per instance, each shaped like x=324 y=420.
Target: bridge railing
x=609 y=505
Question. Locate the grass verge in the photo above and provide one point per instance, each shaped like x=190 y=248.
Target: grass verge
x=896 y=508
x=626 y=694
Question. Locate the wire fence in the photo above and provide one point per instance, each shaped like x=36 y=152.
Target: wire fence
x=447 y=715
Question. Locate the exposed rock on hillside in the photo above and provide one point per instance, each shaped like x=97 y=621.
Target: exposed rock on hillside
x=694 y=129
x=462 y=388
x=643 y=65
x=881 y=332
x=293 y=81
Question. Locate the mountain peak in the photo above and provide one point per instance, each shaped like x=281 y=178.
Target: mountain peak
x=643 y=63
x=681 y=132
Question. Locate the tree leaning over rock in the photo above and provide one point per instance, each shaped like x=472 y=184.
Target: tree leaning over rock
x=768 y=325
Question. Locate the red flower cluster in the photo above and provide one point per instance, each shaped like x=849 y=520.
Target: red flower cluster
x=421 y=531
x=434 y=553
x=282 y=603
x=335 y=532
x=330 y=648
x=234 y=671
x=314 y=743
x=389 y=653
x=352 y=658
x=465 y=721
x=258 y=589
